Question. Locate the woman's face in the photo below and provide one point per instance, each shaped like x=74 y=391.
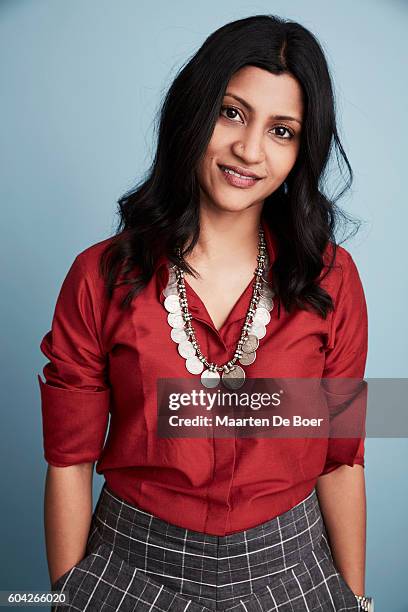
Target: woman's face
x=259 y=132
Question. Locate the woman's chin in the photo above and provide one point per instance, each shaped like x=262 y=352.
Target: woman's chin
x=233 y=207
x=227 y=203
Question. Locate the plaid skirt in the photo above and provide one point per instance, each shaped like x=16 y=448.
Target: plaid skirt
x=137 y=562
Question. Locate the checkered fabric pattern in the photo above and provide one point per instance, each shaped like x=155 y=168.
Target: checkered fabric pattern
x=138 y=562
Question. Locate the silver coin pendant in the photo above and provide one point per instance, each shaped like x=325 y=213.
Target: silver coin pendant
x=258 y=330
x=186 y=349
x=234 y=379
x=178 y=335
x=210 y=378
x=251 y=344
x=175 y=320
x=262 y=315
x=247 y=358
x=194 y=365
x=170 y=290
x=265 y=302
x=172 y=303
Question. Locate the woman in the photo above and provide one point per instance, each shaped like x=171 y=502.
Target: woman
x=224 y=268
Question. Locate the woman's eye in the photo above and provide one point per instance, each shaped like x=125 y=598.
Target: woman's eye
x=282 y=128
x=230 y=109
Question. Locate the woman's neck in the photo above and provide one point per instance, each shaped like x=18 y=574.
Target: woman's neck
x=226 y=239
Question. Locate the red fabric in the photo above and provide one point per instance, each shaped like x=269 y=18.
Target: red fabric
x=105 y=360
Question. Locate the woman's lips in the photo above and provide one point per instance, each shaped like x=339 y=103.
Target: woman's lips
x=237 y=181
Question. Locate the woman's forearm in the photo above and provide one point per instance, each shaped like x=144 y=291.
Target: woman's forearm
x=67 y=516
x=342 y=498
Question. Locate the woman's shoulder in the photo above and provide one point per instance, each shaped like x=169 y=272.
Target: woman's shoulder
x=342 y=256
x=88 y=263
x=341 y=271
x=91 y=254
x=88 y=260
x=85 y=272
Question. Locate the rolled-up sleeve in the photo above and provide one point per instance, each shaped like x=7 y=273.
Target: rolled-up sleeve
x=75 y=396
x=346 y=357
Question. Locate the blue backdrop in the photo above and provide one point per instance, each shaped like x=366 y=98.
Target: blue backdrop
x=81 y=82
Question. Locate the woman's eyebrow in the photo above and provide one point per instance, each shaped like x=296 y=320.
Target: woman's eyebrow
x=249 y=107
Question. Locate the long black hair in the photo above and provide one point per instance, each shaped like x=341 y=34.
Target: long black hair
x=162 y=212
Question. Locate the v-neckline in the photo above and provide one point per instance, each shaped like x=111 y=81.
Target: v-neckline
x=240 y=308
x=237 y=312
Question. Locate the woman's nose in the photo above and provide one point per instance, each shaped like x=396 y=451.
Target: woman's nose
x=250 y=147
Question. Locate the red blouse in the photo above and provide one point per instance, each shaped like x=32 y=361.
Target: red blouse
x=103 y=360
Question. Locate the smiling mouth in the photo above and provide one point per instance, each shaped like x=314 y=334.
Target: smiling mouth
x=238 y=181
x=232 y=172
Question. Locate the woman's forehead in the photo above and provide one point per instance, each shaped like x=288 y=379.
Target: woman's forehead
x=263 y=90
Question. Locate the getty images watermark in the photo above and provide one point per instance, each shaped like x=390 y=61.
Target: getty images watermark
x=210 y=401
x=273 y=407
x=283 y=408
